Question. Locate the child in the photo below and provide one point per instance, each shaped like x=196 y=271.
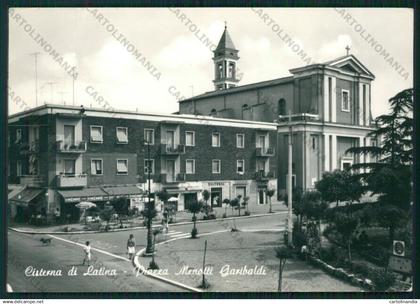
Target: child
x=165 y=220
x=131 y=246
x=86 y=249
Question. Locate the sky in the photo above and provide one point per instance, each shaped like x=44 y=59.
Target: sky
x=179 y=51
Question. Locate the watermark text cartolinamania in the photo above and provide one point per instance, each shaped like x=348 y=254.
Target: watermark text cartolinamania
x=280 y=32
x=130 y=47
x=43 y=43
x=372 y=42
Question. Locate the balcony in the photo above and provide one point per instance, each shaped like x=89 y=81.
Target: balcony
x=172 y=149
x=264 y=175
x=67 y=181
x=63 y=147
x=300 y=117
x=264 y=152
x=32 y=180
x=30 y=148
x=168 y=179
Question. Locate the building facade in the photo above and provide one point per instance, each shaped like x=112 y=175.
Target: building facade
x=63 y=155
x=329 y=104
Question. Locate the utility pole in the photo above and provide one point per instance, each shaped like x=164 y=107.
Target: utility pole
x=289 y=185
x=36 y=76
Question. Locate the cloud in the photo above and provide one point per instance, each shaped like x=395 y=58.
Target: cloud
x=335 y=48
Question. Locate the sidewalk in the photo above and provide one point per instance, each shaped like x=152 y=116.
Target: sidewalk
x=182 y=217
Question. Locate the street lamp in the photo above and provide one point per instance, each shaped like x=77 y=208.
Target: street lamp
x=289 y=179
x=150 y=247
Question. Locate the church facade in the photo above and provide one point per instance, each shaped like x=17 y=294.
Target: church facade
x=328 y=106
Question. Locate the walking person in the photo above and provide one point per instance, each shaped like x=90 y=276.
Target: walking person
x=88 y=256
x=131 y=247
x=165 y=220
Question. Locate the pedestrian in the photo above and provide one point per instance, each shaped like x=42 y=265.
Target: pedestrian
x=131 y=247
x=57 y=215
x=88 y=256
x=165 y=220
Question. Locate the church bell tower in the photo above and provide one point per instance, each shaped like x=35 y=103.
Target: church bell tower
x=225 y=63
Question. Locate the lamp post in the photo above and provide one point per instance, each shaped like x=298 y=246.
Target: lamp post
x=289 y=186
x=150 y=247
x=289 y=178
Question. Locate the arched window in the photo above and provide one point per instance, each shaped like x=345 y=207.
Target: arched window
x=244 y=107
x=282 y=107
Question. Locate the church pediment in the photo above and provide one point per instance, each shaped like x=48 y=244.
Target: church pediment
x=351 y=64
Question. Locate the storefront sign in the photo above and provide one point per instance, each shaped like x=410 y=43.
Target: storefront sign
x=216 y=183
x=400 y=264
x=89 y=199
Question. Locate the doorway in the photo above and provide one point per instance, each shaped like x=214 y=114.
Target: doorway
x=170 y=170
x=216 y=197
x=68 y=135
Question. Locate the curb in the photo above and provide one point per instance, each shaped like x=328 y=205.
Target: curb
x=141 y=228
x=143 y=270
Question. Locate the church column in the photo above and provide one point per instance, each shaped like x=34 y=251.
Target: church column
x=334 y=152
x=360 y=115
x=333 y=100
x=326 y=99
x=326 y=152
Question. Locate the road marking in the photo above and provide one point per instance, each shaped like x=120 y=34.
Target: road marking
x=92 y=248
x=9 y=288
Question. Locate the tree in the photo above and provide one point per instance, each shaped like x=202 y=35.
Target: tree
x=121 y=208
x=314 y=209
x=282 y=253
x=270 y=193
x=195 y=207
x=346 y=225
x=298 y=208
x=206 y=197
x=106 y=214
x=164 y=196
x=388 y=174
x=245 y=202
x=339 y=186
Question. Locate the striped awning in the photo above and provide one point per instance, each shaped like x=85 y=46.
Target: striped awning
x=24 y=197
x=87 y=194
x=122 y=191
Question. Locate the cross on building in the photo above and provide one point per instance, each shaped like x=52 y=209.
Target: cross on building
x=348 y=50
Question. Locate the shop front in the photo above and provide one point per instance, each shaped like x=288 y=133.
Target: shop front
x=70 y=198
x=28 y=205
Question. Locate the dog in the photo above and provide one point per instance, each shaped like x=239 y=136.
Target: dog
x=45 y=241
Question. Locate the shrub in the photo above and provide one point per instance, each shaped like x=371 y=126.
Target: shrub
x=299 y=238
x=224 y=215
x=212 y=216
x=194 y=233
x=247 y=212
x=382 y=279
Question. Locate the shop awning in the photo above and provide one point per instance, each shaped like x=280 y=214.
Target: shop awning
x=24 y=197
x=87 y=194
x=123 y=191
x=183 y=190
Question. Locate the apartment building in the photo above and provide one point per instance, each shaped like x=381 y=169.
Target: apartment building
x=62 y=155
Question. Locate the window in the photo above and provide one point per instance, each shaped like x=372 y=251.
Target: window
x=231 y=70
x=215 y=140
x=149 y=163
x=220 y=70
x=282 y=107
x=346 y=163
x=213 y=112
x=96 y=134
x=240 y=140
x=149 y=136
x=293 y=181
x=345 y=100
x=215 y=166
x=18 y=136
x=96 y=166
x=190 y=166
x=69 y=166
x=190 y=138
x=122 y=166
x=122 y=135
x=240 y=166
